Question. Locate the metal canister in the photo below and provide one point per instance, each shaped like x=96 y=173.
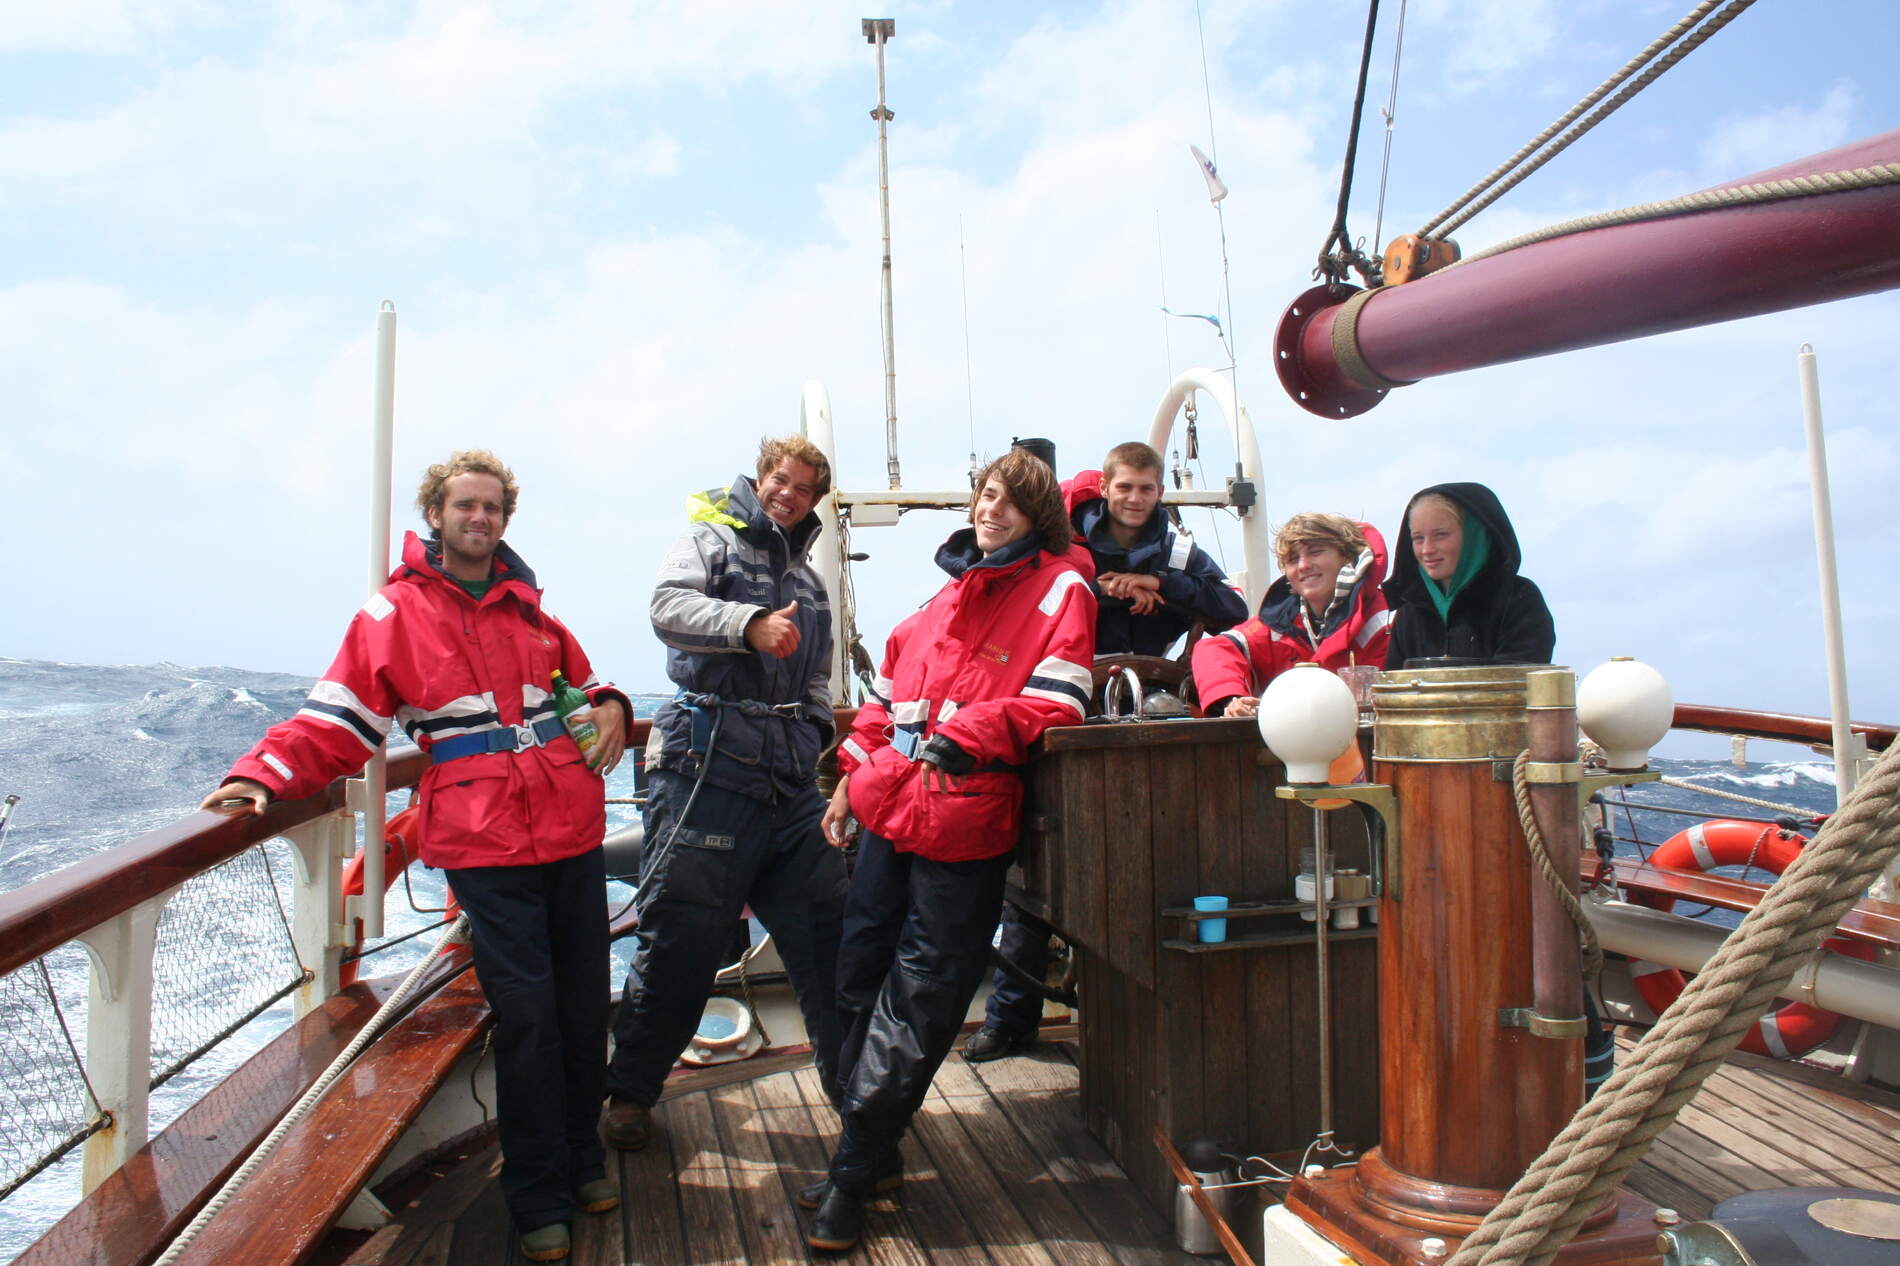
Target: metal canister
x=1191 y=1230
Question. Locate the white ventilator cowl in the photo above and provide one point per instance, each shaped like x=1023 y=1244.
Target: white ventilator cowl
x=1625 y=707
x=1308 y=717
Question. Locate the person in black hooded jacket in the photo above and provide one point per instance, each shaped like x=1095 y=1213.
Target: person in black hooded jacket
x=1455 y=590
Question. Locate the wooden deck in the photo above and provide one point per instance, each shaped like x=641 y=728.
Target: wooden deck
x=1758 y=1123
x=998 y=1168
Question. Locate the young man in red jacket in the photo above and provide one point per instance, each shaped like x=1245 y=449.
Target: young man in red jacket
x=933 y=769
x=458 y=649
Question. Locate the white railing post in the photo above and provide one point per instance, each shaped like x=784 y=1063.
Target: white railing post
x=827 y=552
x=317 y=922
x=119 y=1034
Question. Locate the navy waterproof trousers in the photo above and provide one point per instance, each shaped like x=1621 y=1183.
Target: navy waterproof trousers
x=540 y=935
x=1013 y=1007
x=732 y=851
x=916 y=941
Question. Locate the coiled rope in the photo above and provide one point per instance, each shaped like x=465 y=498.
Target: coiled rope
x=457 y=932
x=1465 y=207
x=1610 y=1133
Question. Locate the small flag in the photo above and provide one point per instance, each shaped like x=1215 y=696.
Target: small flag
x=1215 y=189
x=1196 y=316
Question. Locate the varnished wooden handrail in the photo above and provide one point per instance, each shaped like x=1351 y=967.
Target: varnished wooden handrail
x=1876 y=922
x=48 y=912
x=1786 y=726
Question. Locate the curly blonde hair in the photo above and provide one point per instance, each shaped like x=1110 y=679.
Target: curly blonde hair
x=466 y=461
x=1032 y=489
x=1316 y=528
x=773 y=452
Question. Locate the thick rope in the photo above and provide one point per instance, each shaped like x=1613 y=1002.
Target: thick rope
x=1448 y=222
x=1708 y=200
x=1570 y=116
x=1791 y=810
x=1610 y=1133
x=302 y=1107
x=1540 y=854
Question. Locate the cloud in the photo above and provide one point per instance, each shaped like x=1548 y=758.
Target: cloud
x=1740 y=144
x=209 y=386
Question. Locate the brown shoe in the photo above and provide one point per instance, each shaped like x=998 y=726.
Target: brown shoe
x=627 y=1124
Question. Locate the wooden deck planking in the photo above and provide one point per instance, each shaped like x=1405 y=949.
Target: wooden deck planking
x=1086 y=1172
x=1759 y=1124
x=1018 y=1174
x=999 y=1169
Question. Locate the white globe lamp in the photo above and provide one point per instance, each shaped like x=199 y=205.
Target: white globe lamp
x=1308 y=717
x=1625 y=707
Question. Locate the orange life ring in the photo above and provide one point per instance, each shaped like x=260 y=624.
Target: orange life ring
x=1795 y=1028
x=399 y=850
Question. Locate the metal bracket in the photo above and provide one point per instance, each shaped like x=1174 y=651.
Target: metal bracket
x=1380 y=809
x=1540 y=1025
x=1538 y=772
x=1589 y=784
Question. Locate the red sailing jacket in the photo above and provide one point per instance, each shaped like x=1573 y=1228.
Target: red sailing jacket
x=1001 y=654
x=424 y=652
x=1243 y=660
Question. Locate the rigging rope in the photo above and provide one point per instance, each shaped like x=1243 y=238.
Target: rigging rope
x=1610 y=1133
x=1809 y=186
x=1736 y=796
x=1336 y=253
x=1452 y=217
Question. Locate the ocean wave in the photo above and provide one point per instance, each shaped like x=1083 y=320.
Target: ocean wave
x=1763 y=777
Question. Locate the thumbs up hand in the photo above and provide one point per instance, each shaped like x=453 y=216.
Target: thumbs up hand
x=774 y=633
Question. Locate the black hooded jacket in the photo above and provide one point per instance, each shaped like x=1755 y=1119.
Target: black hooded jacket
x=1499 y=616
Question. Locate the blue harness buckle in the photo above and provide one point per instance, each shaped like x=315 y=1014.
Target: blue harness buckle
x=502 y=738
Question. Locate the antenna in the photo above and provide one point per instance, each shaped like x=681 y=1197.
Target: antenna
x=878 y=32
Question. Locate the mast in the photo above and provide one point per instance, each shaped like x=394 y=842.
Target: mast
x=1602 y=285
x=878 y=31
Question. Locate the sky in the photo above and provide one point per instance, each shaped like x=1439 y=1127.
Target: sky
x=619 y=237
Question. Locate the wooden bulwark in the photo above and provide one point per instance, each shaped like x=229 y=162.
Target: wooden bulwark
x=305 y=1184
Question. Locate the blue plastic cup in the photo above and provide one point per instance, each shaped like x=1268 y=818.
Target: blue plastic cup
x=1211 y=930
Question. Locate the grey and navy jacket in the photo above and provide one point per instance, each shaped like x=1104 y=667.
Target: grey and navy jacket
x=731 y=565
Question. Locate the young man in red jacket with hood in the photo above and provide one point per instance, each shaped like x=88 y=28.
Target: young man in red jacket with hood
x=458 y=649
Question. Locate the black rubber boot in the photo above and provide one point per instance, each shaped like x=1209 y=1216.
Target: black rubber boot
x=990 y=1042
x=890 y=1176
x=839 y=1223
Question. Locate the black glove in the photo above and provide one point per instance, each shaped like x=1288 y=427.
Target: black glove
x=942 y=751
